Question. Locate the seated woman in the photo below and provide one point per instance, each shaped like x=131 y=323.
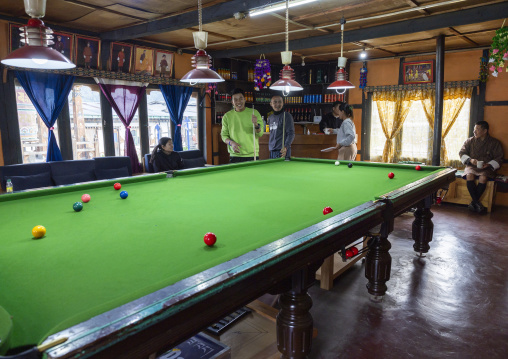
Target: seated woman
x=164 y=158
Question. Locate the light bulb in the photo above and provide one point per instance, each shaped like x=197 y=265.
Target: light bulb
x=40 y=61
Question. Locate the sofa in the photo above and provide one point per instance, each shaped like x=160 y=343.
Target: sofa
x=47 y=174
x=191 y=159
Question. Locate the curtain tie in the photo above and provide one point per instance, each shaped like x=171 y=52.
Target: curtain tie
x=179 y=125
x=129 y=127
x=51 y=128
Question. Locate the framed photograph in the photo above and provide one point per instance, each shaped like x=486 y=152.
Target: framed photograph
x=163 y=64
x=120 y=57
x=63 y=43
x=418 y=72
x=88 y=51
x=14 y=38
x=143 y=61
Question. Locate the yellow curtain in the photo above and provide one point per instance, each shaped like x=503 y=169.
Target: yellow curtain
x=454 y=99
x=393 y=107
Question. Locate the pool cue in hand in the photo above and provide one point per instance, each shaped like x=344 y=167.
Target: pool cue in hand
x=254 y=133
x=283 y=130
x=34 y=353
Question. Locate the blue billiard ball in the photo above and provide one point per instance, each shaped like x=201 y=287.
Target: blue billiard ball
x=123 y=194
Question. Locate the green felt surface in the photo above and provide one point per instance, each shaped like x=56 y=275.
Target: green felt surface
x=116 y=250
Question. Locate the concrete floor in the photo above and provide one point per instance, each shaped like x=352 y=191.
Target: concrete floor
x=451 y=304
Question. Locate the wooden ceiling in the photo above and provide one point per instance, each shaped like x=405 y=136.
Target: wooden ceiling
x=384 y=28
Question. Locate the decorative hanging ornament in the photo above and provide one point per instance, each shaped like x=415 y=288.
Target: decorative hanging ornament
x=363 y=76
x=262 y=74
x=499 y=51
x=484 y=71
x=212 y=86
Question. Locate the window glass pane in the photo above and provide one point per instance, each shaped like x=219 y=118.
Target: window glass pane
x=158 y=118
x=86 y=122
x=190 y=125
x=32 y=130
x=458 y=134
x=415 y=135
x=377 y=137
x=119 y=134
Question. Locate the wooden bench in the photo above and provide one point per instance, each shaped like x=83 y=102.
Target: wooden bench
x=458 y=193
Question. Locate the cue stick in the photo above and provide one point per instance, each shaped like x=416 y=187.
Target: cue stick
x=33 y=353
x=254 y=133
x=283 y=130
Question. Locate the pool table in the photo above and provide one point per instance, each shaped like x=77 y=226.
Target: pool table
x=132 y=277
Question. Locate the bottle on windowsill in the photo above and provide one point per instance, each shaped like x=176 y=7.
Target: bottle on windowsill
x=8 y=186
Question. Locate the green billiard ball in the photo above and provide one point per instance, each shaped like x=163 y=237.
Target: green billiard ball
x=78 y=206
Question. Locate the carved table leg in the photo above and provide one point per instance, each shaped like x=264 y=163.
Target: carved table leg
x=378 y=266
x=294 y=322
x=423 y=227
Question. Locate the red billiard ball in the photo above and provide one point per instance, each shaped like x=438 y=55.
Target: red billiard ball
x=391 y=175
x=439 y=200
x=210 y=239
x=418 y=168
x=85 y=198
x=327 y=210
x=117 y=186
x=354 y=250
x=349 y=253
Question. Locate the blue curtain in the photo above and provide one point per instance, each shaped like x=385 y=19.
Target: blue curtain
x=177 y=98
x=48 y=93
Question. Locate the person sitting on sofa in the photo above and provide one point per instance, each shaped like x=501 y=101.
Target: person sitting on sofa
x=164 y=158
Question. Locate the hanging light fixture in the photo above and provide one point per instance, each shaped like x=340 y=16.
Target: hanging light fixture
x=287 y=82
x=35 y=53
x=201 y=60
x=341 y=84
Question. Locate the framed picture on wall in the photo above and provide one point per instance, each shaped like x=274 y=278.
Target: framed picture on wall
x=143 y=61
x=63 y=43
x=418 y=72
x=14 y=37
x=163 y=64
x=88 y=51
x=120 y=57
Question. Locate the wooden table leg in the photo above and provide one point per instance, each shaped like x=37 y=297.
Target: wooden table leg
x=378 y=264
x=423 y=228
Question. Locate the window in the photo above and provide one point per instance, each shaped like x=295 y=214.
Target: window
x=414 y=142
x=158 y=118
x=32 y=130
x=190 y=125
x=86 y=122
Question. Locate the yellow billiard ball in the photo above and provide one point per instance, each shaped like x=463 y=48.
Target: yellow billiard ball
x=38 y=232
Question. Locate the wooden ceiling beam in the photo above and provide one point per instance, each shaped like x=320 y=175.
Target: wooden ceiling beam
x=326 y=13
x=101 y=8
x=327 y=31
x=462 y=36
x=214 y=13
x=413 y=3
x=370 y=47
x=467 y=16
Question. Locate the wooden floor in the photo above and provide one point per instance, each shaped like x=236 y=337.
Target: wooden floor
x=451 y=304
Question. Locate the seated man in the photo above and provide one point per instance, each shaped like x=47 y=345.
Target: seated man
x=482 y=155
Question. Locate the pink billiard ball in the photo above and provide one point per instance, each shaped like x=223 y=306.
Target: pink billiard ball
x=210 y=239
x=85 y=198
x=418 y=168
x=117 y=186
x=391 y=175
x=327 y=210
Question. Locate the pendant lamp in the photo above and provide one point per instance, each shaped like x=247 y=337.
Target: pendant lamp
x=35 y=53
x=287 y=82
x=341 y=83
x=201 y=61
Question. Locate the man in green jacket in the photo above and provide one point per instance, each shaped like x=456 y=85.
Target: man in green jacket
x=241 y=129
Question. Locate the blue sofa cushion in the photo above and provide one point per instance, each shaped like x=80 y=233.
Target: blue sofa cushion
x=194 y=162
x=148 y=164
x=20 y=183
x=103 y=174
x=113 y=162
x=27 y=169
x=65 y=168
x=74 y=178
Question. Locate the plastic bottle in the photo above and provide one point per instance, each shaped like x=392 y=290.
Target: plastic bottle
x=8 y=186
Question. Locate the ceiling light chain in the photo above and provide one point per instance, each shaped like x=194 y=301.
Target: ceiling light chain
x=287 y=25
x=200 y=16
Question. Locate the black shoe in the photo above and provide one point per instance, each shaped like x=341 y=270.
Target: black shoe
x=472 y=206
x=480 y=208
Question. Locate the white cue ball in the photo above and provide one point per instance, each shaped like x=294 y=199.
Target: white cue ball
x=337 y=163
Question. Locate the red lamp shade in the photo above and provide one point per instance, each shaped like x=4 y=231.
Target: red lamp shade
x=36 y=54
x=202 y=72
x=287 y=82
x=340 y=81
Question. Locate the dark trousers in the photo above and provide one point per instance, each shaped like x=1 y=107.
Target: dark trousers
x=276 y=154
x=234 y=159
